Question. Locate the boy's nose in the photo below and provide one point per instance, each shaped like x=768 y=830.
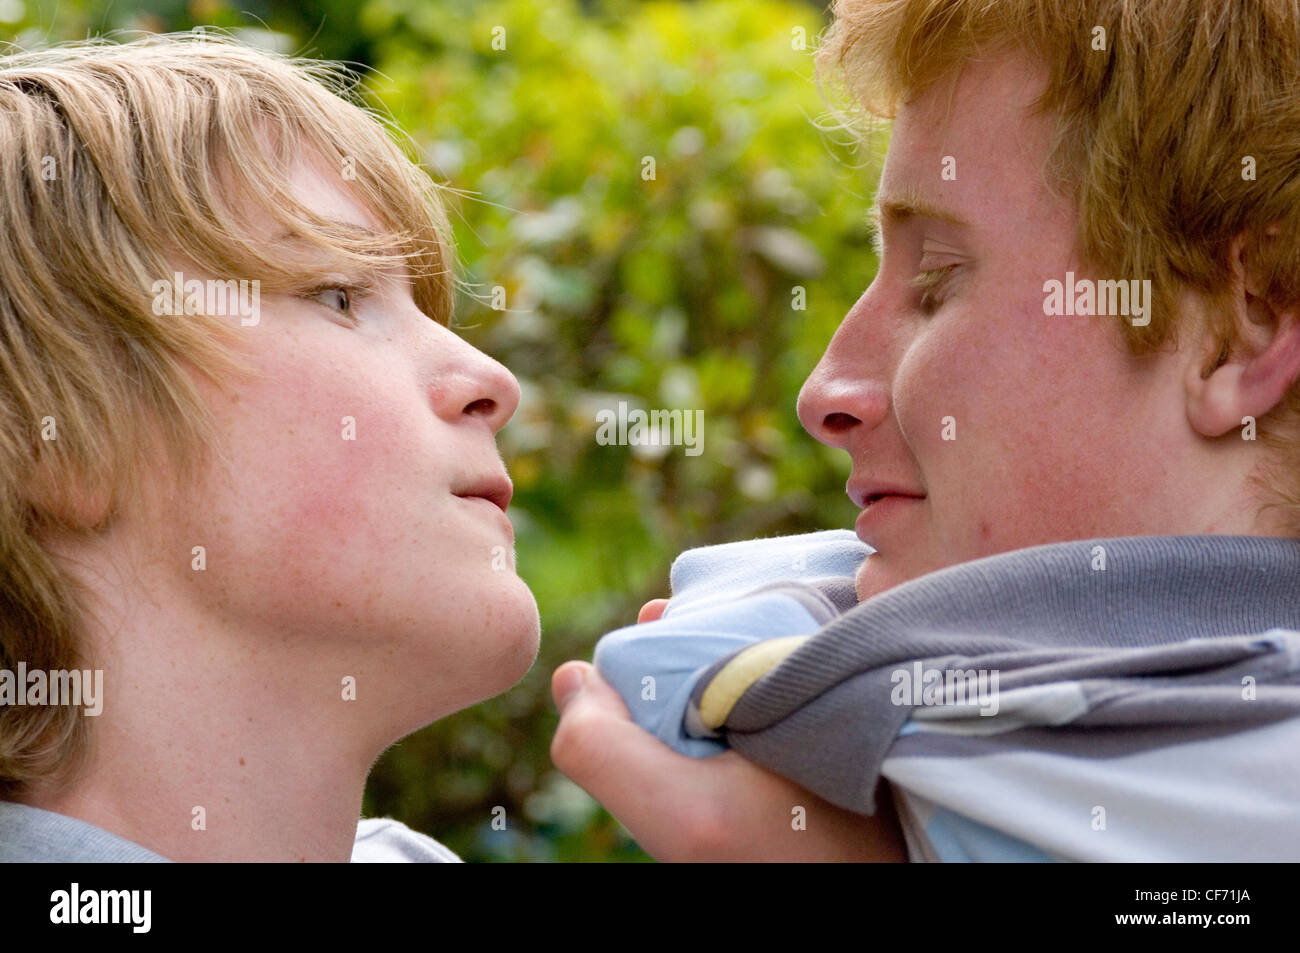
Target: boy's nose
x=835 y=409
x=475 y=385
x=845 y=396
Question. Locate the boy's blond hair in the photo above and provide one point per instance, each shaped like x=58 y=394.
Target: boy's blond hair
x=117 y=161
x=1177 y=127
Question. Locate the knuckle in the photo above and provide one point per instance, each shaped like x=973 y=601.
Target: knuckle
x=707 y=845
x=575 y=744
x=707 y=834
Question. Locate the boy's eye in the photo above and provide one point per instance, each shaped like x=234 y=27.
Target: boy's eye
x=931 y=285
x=340 y=298
x=337 y=298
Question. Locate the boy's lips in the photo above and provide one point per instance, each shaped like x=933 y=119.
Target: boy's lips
x=880 y=503
x=863 y=493
x=495 y=488
x=488 y=510
x=876 y=513
x=492 y=495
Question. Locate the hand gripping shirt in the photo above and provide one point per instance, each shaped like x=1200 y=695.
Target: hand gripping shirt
x=1126 y=699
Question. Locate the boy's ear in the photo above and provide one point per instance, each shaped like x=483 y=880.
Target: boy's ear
x=1251 y=375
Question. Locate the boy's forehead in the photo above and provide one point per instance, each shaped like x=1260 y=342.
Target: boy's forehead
x=984 y=95
x=968 y=150
x=322 y=190
x=315 y=186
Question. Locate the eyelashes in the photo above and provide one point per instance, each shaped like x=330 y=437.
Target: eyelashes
x=340 y=297
x=932 y=286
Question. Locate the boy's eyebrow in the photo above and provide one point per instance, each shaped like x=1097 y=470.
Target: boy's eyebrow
x=361 y=231
x=909 y=204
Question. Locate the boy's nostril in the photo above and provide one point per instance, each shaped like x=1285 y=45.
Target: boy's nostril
x=839 y=422
x=484 y=406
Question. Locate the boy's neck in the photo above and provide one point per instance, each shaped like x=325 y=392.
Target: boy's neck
x=201 y=778
x=202 y=713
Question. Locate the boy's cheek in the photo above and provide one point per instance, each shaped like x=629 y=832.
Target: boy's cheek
x=298 y=494
x=349 y=493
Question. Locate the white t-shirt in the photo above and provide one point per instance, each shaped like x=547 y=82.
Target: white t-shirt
x=382 y=840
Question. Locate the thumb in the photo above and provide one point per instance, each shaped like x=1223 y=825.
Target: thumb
x=580 y=680
x=637 y=777
x=652 y=610
x=567 y=681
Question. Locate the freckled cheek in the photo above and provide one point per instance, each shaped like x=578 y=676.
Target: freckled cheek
x=318 y=468
x=971 y=423
x=931 y=401
x=337 y=488
x=935 y=396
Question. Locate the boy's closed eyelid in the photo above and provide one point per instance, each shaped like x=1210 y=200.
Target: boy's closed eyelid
x=935 y=246
x=936 y=254
x=929 y=244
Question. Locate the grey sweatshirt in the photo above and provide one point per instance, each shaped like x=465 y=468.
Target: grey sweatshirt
x=1113 y=699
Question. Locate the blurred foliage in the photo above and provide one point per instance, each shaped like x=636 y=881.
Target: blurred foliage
x=677 y=291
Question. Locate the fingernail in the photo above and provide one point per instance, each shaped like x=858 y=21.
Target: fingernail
x=568 y=685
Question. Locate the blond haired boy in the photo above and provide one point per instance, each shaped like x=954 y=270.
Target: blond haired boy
x=249 y=473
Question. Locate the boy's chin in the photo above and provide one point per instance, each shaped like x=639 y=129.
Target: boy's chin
x=513 y=640
x=524 y=640
x=876 y=575
x=461 y=661
x=505 y=656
